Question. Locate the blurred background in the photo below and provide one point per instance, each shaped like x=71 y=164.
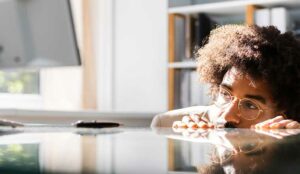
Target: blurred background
x=114 y=60
x=115 y=56
x=122 y=46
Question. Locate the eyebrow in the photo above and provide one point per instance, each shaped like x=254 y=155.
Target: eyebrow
x=254 y=97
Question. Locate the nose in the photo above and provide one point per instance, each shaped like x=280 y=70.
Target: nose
x=230 y=114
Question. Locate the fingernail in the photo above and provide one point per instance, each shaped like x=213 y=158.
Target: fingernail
x=186 y=119
x=182 y=125
x=202 y=125
x=192 y=125
x=278 y=117
x=195 y=118
x=210 y=125
x=176 y=124
x=292 y=125
x=274 y=126
x=256 y=126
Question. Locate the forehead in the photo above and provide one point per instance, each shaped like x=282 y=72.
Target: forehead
x=242 y=84
x=235 y=78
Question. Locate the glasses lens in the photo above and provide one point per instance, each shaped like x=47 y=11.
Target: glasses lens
x=249 y=147
x=224 y=98
x=249 y=110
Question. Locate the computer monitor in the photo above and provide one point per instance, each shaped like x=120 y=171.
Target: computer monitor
x=36 y=34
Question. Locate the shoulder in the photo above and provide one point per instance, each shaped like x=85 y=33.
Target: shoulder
x=166 y=119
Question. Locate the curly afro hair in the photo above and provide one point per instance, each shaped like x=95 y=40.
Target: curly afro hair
x=261 y=53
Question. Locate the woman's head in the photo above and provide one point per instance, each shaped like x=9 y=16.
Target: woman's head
x=260 y=55
x=271 y=157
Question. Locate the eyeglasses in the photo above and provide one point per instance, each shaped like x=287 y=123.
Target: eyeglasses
x=222 y=154
x=248 y=109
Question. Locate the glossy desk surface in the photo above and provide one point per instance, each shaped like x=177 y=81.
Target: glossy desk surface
x=142 y=150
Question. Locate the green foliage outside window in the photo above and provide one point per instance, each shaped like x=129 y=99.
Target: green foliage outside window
x=19 y=158
x=19 y=82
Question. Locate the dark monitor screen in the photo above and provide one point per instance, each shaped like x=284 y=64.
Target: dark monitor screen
x=37 y=33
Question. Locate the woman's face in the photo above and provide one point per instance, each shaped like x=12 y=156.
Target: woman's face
x=252 y=93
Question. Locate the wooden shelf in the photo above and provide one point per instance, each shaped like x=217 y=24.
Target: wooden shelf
x=231 y=7
x=183 y=65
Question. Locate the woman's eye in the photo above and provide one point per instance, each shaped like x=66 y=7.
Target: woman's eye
x=249 y=105
x=224 y=94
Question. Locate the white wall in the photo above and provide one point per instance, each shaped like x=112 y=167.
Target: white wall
x=131 y=54
x=130 y=47
x=140 y=55
x=61 y=88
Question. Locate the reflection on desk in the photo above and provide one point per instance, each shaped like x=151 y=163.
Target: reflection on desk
x=142 y=150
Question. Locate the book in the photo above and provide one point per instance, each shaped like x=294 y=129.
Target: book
x=177 y=89
x=196 y=29
x=188 y=37
x=202 y=24
x=202 y=27
x=185 y=83
x=189 y=91
x=179 y=38
x=198 y=91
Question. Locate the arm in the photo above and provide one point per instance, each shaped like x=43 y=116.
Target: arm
x=166 y=119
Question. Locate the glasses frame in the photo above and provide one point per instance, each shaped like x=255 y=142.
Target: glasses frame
x=233 y=152
x=260 y=110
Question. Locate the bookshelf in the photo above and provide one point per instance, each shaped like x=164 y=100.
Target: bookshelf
x=231 y=6
x=246 y=9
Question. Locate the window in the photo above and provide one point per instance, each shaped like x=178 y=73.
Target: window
x=19 y=82
x=20 y=89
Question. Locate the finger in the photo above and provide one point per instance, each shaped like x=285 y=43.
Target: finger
x=177 y=130
x=210 y=125
x=263 y=124
x=203 y=124
x=186 y=119
x=293 y=125
x=192 y=125
x=176 y=124
x=179 y=124
x=195 y=118
x=266 y=124
x=183 y=125
x=191 y=130
x=280 y=125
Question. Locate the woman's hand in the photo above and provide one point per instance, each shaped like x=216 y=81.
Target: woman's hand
x=278 y=122
x=193 y=121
